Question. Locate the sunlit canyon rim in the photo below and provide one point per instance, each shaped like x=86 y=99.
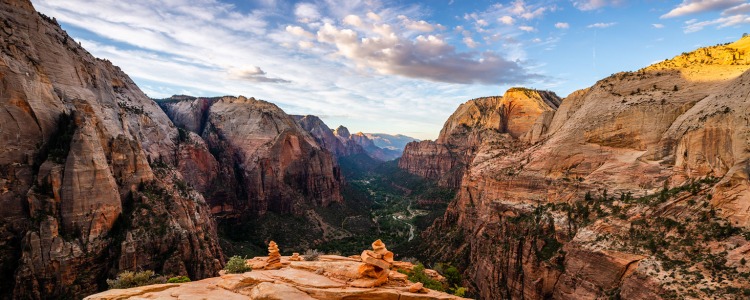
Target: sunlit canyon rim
x=637 y=187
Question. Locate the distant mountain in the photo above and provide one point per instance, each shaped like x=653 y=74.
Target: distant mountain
x=389 y=141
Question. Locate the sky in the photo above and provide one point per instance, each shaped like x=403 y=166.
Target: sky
x=387 y=66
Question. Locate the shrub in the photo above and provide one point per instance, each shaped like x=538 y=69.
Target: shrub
x=459 y=291
x=129 y=279
x=311 y=255
x=417 y=274
x=178 y=279
x=237 y=265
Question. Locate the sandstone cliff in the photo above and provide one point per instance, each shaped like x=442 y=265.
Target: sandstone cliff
x=512 y=116
x=328 y=278
x=88 y=171
x=267 y=162
x=360 y=140
x=635 y=188
x=327 y=138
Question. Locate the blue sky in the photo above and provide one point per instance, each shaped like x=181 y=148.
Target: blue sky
x=387 y=66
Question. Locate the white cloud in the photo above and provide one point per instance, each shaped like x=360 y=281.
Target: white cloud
x=586 y=5
x=739 y=9
x=562 y=25
x=353 y=20
x=601 y=25
x=527 y=28
x=688 y=7
x=305 y=44
x=373 y=16
x=470 y=42
x=521 y=9
x=299 y=31
x=658 y=26
x=507 y=20
x=254 y=74
x=426 y=57
x=421 y=25
x=306 y=12
x=482 y=23
x=720 y=23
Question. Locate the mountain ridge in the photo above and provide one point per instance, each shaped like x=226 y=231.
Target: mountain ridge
x=619 y=179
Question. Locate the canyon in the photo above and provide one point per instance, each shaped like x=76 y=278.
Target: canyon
x=634 y=188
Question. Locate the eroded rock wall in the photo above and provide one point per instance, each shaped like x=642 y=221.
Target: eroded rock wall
x=266 y=160
x=525 y=226
x=78 y=138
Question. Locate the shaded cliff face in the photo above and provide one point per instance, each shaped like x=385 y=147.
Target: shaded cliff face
x=361 y=141
x=326 y=137
x=509 y=117
x=78 y=185
x=634 y=188
x=267 y=161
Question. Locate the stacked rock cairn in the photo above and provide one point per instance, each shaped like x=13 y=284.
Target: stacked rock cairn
x=295 y=257
x=376 y=266
x=274 y=257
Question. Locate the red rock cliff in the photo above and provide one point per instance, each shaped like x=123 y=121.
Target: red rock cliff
x=88 y=168
x=267 y=161
x=490 y=118
x=615 y=188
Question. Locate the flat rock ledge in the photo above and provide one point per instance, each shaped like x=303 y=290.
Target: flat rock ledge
x=326 y=278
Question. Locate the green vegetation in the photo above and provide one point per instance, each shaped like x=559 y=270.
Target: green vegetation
x=237 y=265
x=685 y=244
x=394 y=206
x=130 y=279
x=178 y=279
x=417 y=274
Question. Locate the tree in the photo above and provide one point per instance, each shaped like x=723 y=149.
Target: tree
x=506 y=111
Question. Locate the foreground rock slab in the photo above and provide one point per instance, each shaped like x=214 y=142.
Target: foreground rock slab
x=323 y=279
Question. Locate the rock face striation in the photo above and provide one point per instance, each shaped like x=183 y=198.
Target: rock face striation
x=634 y=188
x=267 y=162
x=510 y=117
x=361 y=140
x=330 y=277
x=342 y=143
x=327 y=138
x=90 y=180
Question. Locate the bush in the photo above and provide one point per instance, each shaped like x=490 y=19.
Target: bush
x=178 y=279
x=417 y=274
x=130 y=279
x=459 y=291
x=237 y=265
x=311 y=255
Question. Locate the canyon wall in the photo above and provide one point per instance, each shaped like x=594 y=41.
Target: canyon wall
x=327 y=138
x=483 y=119
x=267 y=161
x=606 y=195
x=88 y=171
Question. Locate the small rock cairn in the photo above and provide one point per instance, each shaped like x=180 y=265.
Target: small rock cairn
x=376 y=266
x=295 y=257
x=274 y=257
